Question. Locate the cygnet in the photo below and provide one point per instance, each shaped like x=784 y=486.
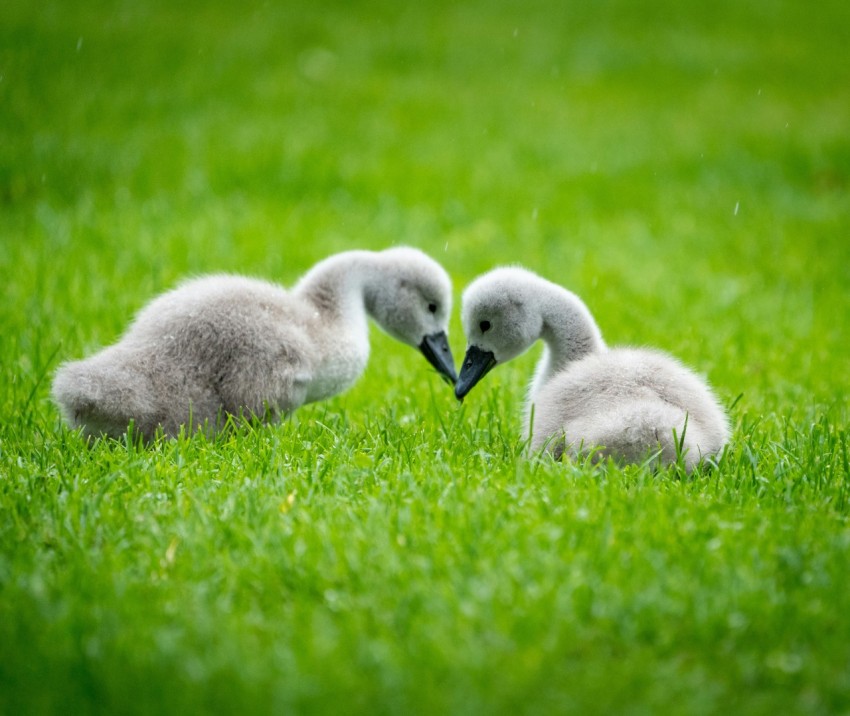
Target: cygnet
x=229 y=345
x=632 y=404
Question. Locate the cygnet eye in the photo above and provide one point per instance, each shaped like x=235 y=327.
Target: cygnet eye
x=484 y=326
x=432 y=307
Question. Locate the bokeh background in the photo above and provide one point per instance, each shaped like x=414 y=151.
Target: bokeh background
x=683 y=167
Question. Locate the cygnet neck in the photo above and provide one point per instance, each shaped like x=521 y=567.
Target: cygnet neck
x=336 y=286
x=569 y=331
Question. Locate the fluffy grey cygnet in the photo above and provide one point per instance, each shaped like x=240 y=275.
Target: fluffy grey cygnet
x=619 y=402
x=226 y=344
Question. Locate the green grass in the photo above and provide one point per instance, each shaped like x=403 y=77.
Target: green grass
x=684 y=167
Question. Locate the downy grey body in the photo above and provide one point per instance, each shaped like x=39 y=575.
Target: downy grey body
x=230 y=345
x=628 y=403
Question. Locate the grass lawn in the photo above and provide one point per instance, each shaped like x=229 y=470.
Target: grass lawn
x=683 y=166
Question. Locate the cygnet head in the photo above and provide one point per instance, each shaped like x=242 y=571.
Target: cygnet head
x=411 y=299
x=501 y=319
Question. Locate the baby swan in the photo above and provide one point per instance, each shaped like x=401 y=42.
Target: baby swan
x=229 y=345
x=623 y=402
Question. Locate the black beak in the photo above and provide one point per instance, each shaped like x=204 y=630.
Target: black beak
x=436 y=349
x=476 y=365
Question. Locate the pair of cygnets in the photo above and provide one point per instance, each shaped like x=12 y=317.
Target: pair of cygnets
x=229 y=345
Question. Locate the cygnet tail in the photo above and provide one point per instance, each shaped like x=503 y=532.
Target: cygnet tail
x=103 y=394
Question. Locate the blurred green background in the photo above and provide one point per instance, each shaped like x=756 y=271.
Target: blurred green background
x=683 y=167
